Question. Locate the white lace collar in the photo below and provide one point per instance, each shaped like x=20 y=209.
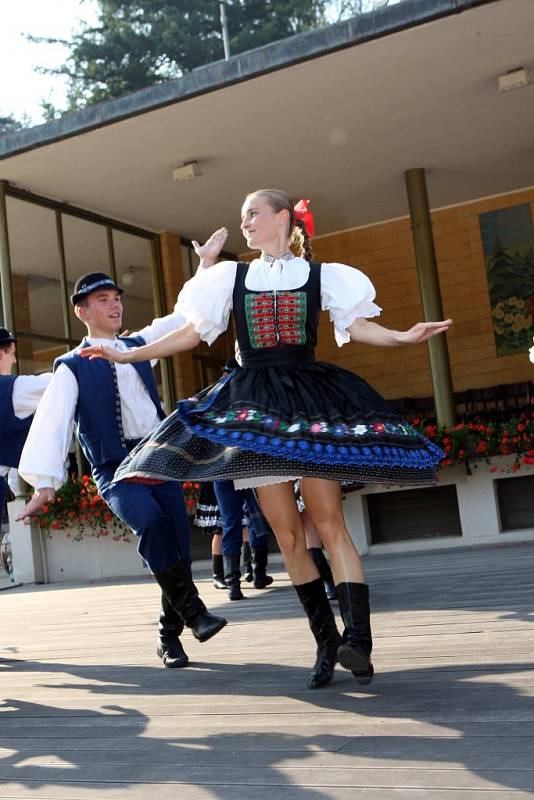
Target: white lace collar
x=271 y=259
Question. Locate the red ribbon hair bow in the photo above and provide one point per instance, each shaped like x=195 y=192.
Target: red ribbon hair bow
x=303 y=213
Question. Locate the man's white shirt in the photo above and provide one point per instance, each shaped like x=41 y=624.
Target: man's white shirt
x=42 y=463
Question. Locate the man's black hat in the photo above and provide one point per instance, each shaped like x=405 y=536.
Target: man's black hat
x=92 y=282
x=6 y=337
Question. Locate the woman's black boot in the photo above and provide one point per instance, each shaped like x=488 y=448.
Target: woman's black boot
x=182 y=594
x=355 y=652
x=170 y=627
x=323 y=626
x=247 y=562
x=218 y=572
x=232 y=576
x=259 y=568
x=323 y=567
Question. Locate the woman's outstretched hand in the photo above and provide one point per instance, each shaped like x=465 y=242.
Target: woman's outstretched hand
x=210 y=250
x=102 y=351
x=425 y=330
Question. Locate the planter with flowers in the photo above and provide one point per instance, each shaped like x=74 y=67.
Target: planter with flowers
x=484 y=441
x=82 y=539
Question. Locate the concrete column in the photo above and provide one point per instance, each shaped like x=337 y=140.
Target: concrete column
x=425 y=257
x=5 y=264
x=27 y=547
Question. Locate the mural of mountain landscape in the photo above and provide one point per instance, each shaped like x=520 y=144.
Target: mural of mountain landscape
x=508 y=242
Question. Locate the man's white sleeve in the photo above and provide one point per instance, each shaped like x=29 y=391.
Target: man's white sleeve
x=44 y=456
x=27 y=393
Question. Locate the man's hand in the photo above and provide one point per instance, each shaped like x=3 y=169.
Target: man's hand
x=425 y=330
x=209 y=252
x=41 y=498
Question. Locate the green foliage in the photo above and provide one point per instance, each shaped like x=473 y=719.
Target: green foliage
x=137 y=43
x=9 y=124
x=78 y=505
x=481 y=439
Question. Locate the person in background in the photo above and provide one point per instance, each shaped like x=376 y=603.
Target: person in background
x=19 y=398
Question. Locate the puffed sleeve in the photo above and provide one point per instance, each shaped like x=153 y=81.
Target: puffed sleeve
x=206 y=300
x=346 y=293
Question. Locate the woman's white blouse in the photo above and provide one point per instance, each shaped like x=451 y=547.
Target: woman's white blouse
x=346 y=293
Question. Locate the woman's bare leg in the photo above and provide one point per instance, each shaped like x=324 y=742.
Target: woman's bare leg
x=323 y=505
x=280 y=509
x=216 y=544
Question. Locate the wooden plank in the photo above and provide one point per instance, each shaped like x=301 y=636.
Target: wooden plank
x=88 y=710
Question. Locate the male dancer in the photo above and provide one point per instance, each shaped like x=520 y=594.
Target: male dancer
x=19 y=397
x=112 y=410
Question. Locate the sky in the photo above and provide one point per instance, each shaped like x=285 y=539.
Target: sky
x=21 y=89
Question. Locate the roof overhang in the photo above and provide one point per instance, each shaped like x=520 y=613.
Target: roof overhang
x=337 y=115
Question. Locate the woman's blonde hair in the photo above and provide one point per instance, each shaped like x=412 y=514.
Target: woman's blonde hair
x=278 y=200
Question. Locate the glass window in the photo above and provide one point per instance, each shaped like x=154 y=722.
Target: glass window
x=133 y=256
x=35 y=269
x=86 y=250
x=37 y=355
x=187 y=261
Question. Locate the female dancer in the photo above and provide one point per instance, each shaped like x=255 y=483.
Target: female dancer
x=284 y=415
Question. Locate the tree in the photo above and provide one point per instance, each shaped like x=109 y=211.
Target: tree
x=8 y=124
x=141 y=42
x=137 y=43
x=341 y=9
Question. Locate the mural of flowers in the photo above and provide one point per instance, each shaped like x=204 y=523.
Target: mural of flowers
x=508 y=241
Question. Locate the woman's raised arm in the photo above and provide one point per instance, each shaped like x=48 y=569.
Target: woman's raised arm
x=367 y=332
x=174 y=342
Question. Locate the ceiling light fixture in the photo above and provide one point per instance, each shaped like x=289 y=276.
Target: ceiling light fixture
x=513 y=79
x=185 y=172
x=128 y=276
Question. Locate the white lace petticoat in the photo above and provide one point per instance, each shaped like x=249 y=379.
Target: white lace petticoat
x=264 y=480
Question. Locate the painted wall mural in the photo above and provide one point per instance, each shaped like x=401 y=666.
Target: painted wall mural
x=508 y=242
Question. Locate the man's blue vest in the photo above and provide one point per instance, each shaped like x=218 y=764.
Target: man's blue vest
x=13 y=431
x=98 y=413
